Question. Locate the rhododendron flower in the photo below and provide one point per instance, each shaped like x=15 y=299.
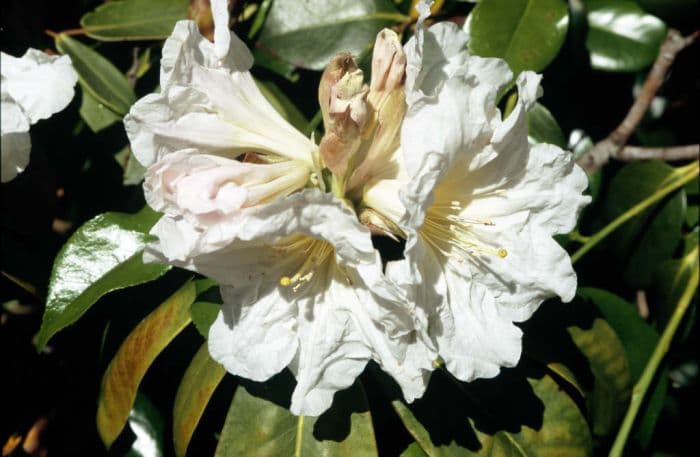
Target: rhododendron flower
x=34 y=87
x=244 y=203
x=477 y=203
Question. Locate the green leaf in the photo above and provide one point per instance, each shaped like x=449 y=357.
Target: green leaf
x=525 y=33
x=561 y=429
x=256 y=426
x=282 y=104
x=670 y=280
x=198 y=384
x=639 y=340
x=147 y=424
x=138 y=351
x=97 y=75
x=103 y=255
x=543 y=128
x=621 y=36
x=414 y=450
x=612 y=381
x=96 y=115
x=203 y=315
x=650 y=238
x=308 y=34
x=133 y=170
x=134 y=19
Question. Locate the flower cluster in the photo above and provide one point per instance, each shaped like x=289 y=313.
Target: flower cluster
x=421 y=153
x=34 y=87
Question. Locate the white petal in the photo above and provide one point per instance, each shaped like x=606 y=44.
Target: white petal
x=16 y=142
x=222 y=35
x=254 y=341
x=40 y=84
x=209 y=105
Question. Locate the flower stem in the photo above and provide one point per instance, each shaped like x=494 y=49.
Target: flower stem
x=641 y=387
x=678 y=179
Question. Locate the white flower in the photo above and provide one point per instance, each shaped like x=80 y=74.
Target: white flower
x=481 y=204
x=34 y=87
x=242 y=196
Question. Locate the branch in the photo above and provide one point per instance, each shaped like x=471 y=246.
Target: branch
x=669 y=154
x=599 y=154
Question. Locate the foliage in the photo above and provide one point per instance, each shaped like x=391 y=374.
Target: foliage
x=571 y=391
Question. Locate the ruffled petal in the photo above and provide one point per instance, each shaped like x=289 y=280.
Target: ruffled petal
x=40 y=84
x=210 y=104
x=16 y=142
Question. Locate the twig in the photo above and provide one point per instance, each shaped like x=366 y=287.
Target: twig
x=599 y=154
x=669 y=154
x=133 y=70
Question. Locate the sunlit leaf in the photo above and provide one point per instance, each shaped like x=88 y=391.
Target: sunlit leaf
x=621 y=36
x=526 y=33
x=308 y=34
x=101 y=256
x=198 y=384
x=612 y=381
x=414 y=450
x=257 y=426
x=560 y=429
x=146 y=423
x=203 y=315
x=134 y=19
x=138 y=351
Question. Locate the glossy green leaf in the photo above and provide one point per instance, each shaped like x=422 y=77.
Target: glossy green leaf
x=621 y=36
x=103 y=255
x=308 y=34
x=95 y=114
x=543 y=128
x=611 y=371
x=670 y=280
x=198 y=384
x=259 y=427
x=283 y=104
x=414 y=450
x=526 y=33
x=203 y=315
x=134 y=19
x=138 y=351
x=562 y=430
x=650 y=238
x=146 y=423
x=639 y=340
x=97 y=75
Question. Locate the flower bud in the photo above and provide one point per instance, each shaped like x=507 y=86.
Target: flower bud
x=388 y=65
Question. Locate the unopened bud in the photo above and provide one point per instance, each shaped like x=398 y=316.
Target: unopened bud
x=388 y=63
x=380 y=225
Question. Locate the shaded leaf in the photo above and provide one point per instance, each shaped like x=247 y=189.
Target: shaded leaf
x=134 y=19
x=257 y=426
x=612 y=381
x=95 y=114
x=282 y=104
x=103 y=255
x=639 y=340
x=621 y=36
x=543 y=128
x=97 y=75
x=561 y=430
x=198 y=384
x=134 y=172
x=525 y=33
x=308 y=34
x=146 y=423
x=414 y=450
x=138 y=351
x=650 y=238
x=203 y=315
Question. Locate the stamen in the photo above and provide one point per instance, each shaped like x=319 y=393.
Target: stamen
x=454 y=231
x=315 y=251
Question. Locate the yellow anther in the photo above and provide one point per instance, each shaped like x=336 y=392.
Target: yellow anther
x=285 y=281
x=502 y=253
